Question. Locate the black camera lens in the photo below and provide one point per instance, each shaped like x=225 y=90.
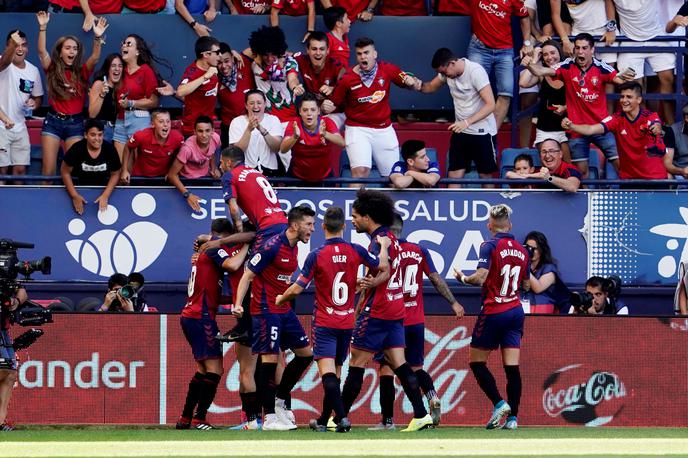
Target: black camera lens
x=127 y=291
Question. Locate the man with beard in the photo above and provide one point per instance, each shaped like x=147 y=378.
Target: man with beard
x=149 y=152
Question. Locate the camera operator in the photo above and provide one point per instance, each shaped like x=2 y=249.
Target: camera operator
x=601 y=297
x=8 y=360
x=119 y=295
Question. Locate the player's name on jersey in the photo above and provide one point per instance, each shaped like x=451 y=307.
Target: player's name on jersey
x=512 y=252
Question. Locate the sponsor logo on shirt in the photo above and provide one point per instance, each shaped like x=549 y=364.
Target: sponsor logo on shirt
x=255 y=259
x=492 y=8
x=377 y=97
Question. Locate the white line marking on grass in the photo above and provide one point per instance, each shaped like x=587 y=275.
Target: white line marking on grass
x=424 y=447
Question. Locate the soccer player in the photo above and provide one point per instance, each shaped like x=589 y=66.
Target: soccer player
x=333 y=267
x=379 y=325
x=199 y=325
x=199 y=83
x=364 y=92
x=276 y=326
x=503 y=267
x=415 y=261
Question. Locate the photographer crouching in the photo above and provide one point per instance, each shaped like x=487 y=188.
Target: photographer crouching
x=8 y=360
x=601 y=297
x=124 y=294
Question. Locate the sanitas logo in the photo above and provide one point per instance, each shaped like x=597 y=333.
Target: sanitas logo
x=131 y=249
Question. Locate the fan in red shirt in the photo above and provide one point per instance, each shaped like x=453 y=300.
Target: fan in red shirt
x=503 y=267
x=363 y=91
x=338 y=24
x=199 y=325
x=642 y=153
x=294 y=8
x=319 y=71
x=353 y=8
x=67 y=81
x=313 y=140
x=234 y=82
x=149 y=152
x=333 y=268
x=198 y=86
x=584 y=80
x=403 y=8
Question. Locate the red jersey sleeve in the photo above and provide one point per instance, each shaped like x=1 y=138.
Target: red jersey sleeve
x=339 y=94
x=611 y=123
x=395 y=74
x=330 y=126
x=518 y=8
x=289 y=131
x=150 y=82
x=135 y=140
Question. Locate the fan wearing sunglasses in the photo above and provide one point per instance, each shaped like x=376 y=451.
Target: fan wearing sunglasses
x=199 y=83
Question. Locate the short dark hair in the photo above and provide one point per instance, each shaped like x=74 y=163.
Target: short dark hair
x=203 y=119
x=9 y=35
x=234 y=153
x=442 y=57
x=595 y=282
x=268 y=40
x=410 y=148
x=631 y=86
x=397 y=225
x=317 y=36
x=363 y=42
x=117 y=279
x=222 y=226
x=298 y=213
x=204 y=44
x=254 y=91
x=334 y=219
x=332 y=15
x=539 y=144
x=225 y=48
x=137 y=277
x=524 y=157
x=91 y=123
x=376 y=205
x=307 y=97
x=585 y=37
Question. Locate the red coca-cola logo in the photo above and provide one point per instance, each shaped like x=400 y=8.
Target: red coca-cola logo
x=581 y=396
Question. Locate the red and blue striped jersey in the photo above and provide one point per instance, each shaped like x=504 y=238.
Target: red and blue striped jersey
x=334 y=267
x=508 y=264
x=273 y=264
x=415 y=261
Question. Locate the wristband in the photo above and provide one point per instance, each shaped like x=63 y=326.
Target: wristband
x=186 y=194
x=550 y=179
x=369 y=10
x=130 y=104
x=265 y=133
x=41 y=29
x=527 y=43
x=611 y=26
x=192 y=24
x=463 y=279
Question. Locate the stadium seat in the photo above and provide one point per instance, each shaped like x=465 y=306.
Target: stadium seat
x=36 y=164
x=345 y=170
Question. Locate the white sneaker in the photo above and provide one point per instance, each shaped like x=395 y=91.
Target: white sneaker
x=286 y=415
x=274 y=423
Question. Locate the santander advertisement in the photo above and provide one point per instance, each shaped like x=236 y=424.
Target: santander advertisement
x=577 y=371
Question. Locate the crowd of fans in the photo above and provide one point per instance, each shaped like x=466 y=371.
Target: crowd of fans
x=293 y=111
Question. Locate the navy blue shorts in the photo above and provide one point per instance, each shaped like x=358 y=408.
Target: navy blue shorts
x=375 y=334
x=265 y=234
x=273 y=332
x=331 y=343
x=8 y=360
x=200 y=333
x=499 y=330
x=414 y=353
x=415 y=344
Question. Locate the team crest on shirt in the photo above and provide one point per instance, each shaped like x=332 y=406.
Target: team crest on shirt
x=381 y=81
x=594 y=80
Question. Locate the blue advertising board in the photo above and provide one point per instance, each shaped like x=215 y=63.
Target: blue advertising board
x=151 y=230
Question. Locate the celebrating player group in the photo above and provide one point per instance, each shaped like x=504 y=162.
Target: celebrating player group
x=385 y=324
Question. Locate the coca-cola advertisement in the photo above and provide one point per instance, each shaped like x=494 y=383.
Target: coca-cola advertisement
x=577 y=371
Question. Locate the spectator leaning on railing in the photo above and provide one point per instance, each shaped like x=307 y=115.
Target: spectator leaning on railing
x=638 y=136
x=415 y=170
x=556 y=172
